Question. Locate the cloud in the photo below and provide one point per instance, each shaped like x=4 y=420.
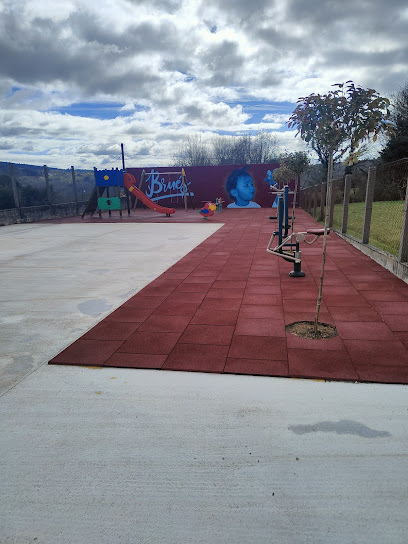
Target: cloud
x=178 y=67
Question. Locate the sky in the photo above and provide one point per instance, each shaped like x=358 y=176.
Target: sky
x=80 y=77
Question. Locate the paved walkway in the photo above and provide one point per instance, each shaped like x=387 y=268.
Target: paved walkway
x=223 y=308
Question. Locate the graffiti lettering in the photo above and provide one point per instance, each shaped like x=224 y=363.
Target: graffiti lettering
x=155 y=187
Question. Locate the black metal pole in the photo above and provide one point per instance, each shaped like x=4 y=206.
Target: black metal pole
x=123 y=158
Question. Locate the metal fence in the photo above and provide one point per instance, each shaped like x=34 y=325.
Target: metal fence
x=27 y=186
x=371 y=207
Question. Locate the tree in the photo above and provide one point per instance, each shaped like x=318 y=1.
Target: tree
x=283 y=174
x=260 y=148
x=298 y=161
x=397 y=145
x=193 y=152
x=264 y=148
x=336 y=123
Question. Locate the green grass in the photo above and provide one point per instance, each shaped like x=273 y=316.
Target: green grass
x=386 y=223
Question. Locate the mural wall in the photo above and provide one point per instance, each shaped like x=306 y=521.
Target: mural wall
x=239 y=186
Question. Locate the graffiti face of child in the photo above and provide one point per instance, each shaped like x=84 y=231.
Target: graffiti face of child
x=244 y=191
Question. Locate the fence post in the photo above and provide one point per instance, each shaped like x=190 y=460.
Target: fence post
x=369 y=204
x=322 y=200
x=14 y=187
x=47 y=185
x=346 y=202
x=332 y=200
x=314 y=201
x=75 y=188
x=403 y=251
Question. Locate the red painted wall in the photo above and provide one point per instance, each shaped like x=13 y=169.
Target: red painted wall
x=206 y=182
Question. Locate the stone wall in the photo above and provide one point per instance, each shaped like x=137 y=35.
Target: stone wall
x=40 y=213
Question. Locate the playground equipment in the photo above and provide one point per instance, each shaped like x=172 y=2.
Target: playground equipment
x=208 y=210
x=130 y=184
x=288 y=246
x=109 y=181
x=218 y=203
x=106 y=180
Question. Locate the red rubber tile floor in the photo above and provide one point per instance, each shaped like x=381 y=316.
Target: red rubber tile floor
x=223 y=308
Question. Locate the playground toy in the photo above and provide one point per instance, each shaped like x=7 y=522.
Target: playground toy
x=130 y=184
x=287 y=241
x=208 y=210
x=218 y=203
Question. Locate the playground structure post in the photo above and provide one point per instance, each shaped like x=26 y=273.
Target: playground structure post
x=123 y=157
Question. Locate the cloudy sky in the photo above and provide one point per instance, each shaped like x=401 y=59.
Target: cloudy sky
x=80 y=77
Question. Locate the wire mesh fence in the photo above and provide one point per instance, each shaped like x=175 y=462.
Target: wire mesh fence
x=338 y=202
x=358 y=187
x=375 y=206
x=31 y=185
x=388 y=206
x=43 y=186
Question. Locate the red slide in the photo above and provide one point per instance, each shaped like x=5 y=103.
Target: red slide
x=130 y=184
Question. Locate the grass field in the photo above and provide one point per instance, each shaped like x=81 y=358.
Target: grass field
x=386 y=223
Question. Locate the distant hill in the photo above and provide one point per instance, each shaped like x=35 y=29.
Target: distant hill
x=60 y=180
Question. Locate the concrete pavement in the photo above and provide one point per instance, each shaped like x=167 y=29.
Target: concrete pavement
x=140 y=456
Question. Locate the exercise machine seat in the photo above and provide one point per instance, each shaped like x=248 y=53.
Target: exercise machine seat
x=317 y=232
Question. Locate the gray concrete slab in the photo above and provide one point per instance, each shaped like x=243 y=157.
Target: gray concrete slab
x=57 y=281
x=138 y=456
x=142 y=456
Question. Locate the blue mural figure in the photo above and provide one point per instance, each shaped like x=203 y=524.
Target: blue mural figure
x=272 y=183
x=240 y=187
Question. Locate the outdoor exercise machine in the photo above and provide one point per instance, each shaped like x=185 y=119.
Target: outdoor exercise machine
x=288 y=243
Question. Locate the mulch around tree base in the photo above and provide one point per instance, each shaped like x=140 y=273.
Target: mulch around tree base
x=224 y=307
x=307 y=329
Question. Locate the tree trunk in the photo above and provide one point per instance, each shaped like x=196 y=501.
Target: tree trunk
x=326 y=226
